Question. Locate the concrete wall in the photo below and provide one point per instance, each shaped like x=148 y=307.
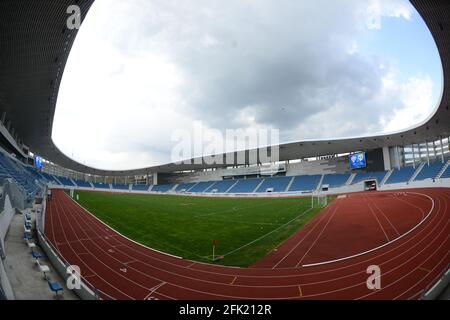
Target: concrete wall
x=5 y=220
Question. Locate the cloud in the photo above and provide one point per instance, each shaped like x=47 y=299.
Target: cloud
x=141 y=69
x=377 y=9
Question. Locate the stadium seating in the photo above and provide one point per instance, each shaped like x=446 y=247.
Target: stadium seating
x=276 y=184
x=50 y=178
x=305 y=183
x=120 y=186
x=245 y=186
x=11 y=169
x=65 y=181
x=83 y=184
x=335 y=180
x=402 y=175
x=162 y=187
x=429 y=171
x=201 y=186
x=362 y=176
x=446 y=173
x=183 y=187
x=100 y=185
x=220 y=186
x=140 y=187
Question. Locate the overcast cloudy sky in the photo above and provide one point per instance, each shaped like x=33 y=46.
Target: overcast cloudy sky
x=140 y=69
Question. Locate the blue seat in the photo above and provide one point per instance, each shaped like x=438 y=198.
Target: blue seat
x=36 y=255
x=55 y=287
x=430 y=171
x=305 y=183
x=27 y=237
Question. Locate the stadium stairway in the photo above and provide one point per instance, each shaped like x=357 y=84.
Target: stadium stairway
x=319 y=185
x=305 y=183
x=401 y=176
x=201 y=187
x=245 y=186
x=350 y=179
x=430 y=171
x=289 y=184
x=444 y=170
x=275 y=184
x=221 y=186
x=386 y=177
x=335 y=180
x=10 y=168
x=417 y=172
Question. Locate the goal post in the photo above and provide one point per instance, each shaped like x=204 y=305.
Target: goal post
x=319 y=201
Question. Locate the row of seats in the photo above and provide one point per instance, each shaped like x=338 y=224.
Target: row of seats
x=140 y=187
x=446 y=173
x=28 y=178
x=54 y=286
x=12 y=169
x=429 y=171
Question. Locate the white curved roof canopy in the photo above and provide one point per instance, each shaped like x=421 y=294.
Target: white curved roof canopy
x=34 y=47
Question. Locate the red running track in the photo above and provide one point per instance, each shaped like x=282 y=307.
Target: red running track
x=405 y=233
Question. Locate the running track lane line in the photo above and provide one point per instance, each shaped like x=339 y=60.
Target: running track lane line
x=379 y=247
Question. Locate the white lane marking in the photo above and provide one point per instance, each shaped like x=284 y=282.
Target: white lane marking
x=379 y=247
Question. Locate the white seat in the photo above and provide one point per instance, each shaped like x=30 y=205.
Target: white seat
x=44 y=268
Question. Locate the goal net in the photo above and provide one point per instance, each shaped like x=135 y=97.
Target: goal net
x=319 y=201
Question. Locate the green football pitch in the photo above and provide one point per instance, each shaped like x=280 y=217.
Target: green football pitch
x=244 y=229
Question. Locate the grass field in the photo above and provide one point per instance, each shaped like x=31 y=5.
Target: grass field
x=245 y=229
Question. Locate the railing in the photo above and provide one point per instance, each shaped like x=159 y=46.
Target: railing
x=443 y=276
x=56 y=257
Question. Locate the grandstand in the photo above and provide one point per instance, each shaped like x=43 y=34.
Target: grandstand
x=275 y=184
x=190 y=193
x=335 y=180
x=305 y=183
x=201 y=186
x=401 y=175
x=140 y=187
x=245 y=186
x=83 y=184
x=99 y=185
x=362 y=176
x=430 y=171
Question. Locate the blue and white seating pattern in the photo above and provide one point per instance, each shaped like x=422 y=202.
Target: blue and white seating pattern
x=201 y=186
x=430 y=171
x=335 y=180
x=184 y=187
x=221 y=186
x=402 y=175
x=162 y=187
x=100 y=185
x=245 y=186
x=120 y=186
x=140 y=187
x=275 y=184
x=83 y=184
x=305 y=183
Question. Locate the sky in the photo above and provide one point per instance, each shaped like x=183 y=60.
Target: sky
x=142 y=71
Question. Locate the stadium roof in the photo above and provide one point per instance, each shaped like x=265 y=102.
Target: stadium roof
x=35 y=44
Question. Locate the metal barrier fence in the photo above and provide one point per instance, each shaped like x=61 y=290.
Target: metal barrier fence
x=87 y=291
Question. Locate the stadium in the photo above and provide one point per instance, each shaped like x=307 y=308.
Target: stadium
x=329 y=219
